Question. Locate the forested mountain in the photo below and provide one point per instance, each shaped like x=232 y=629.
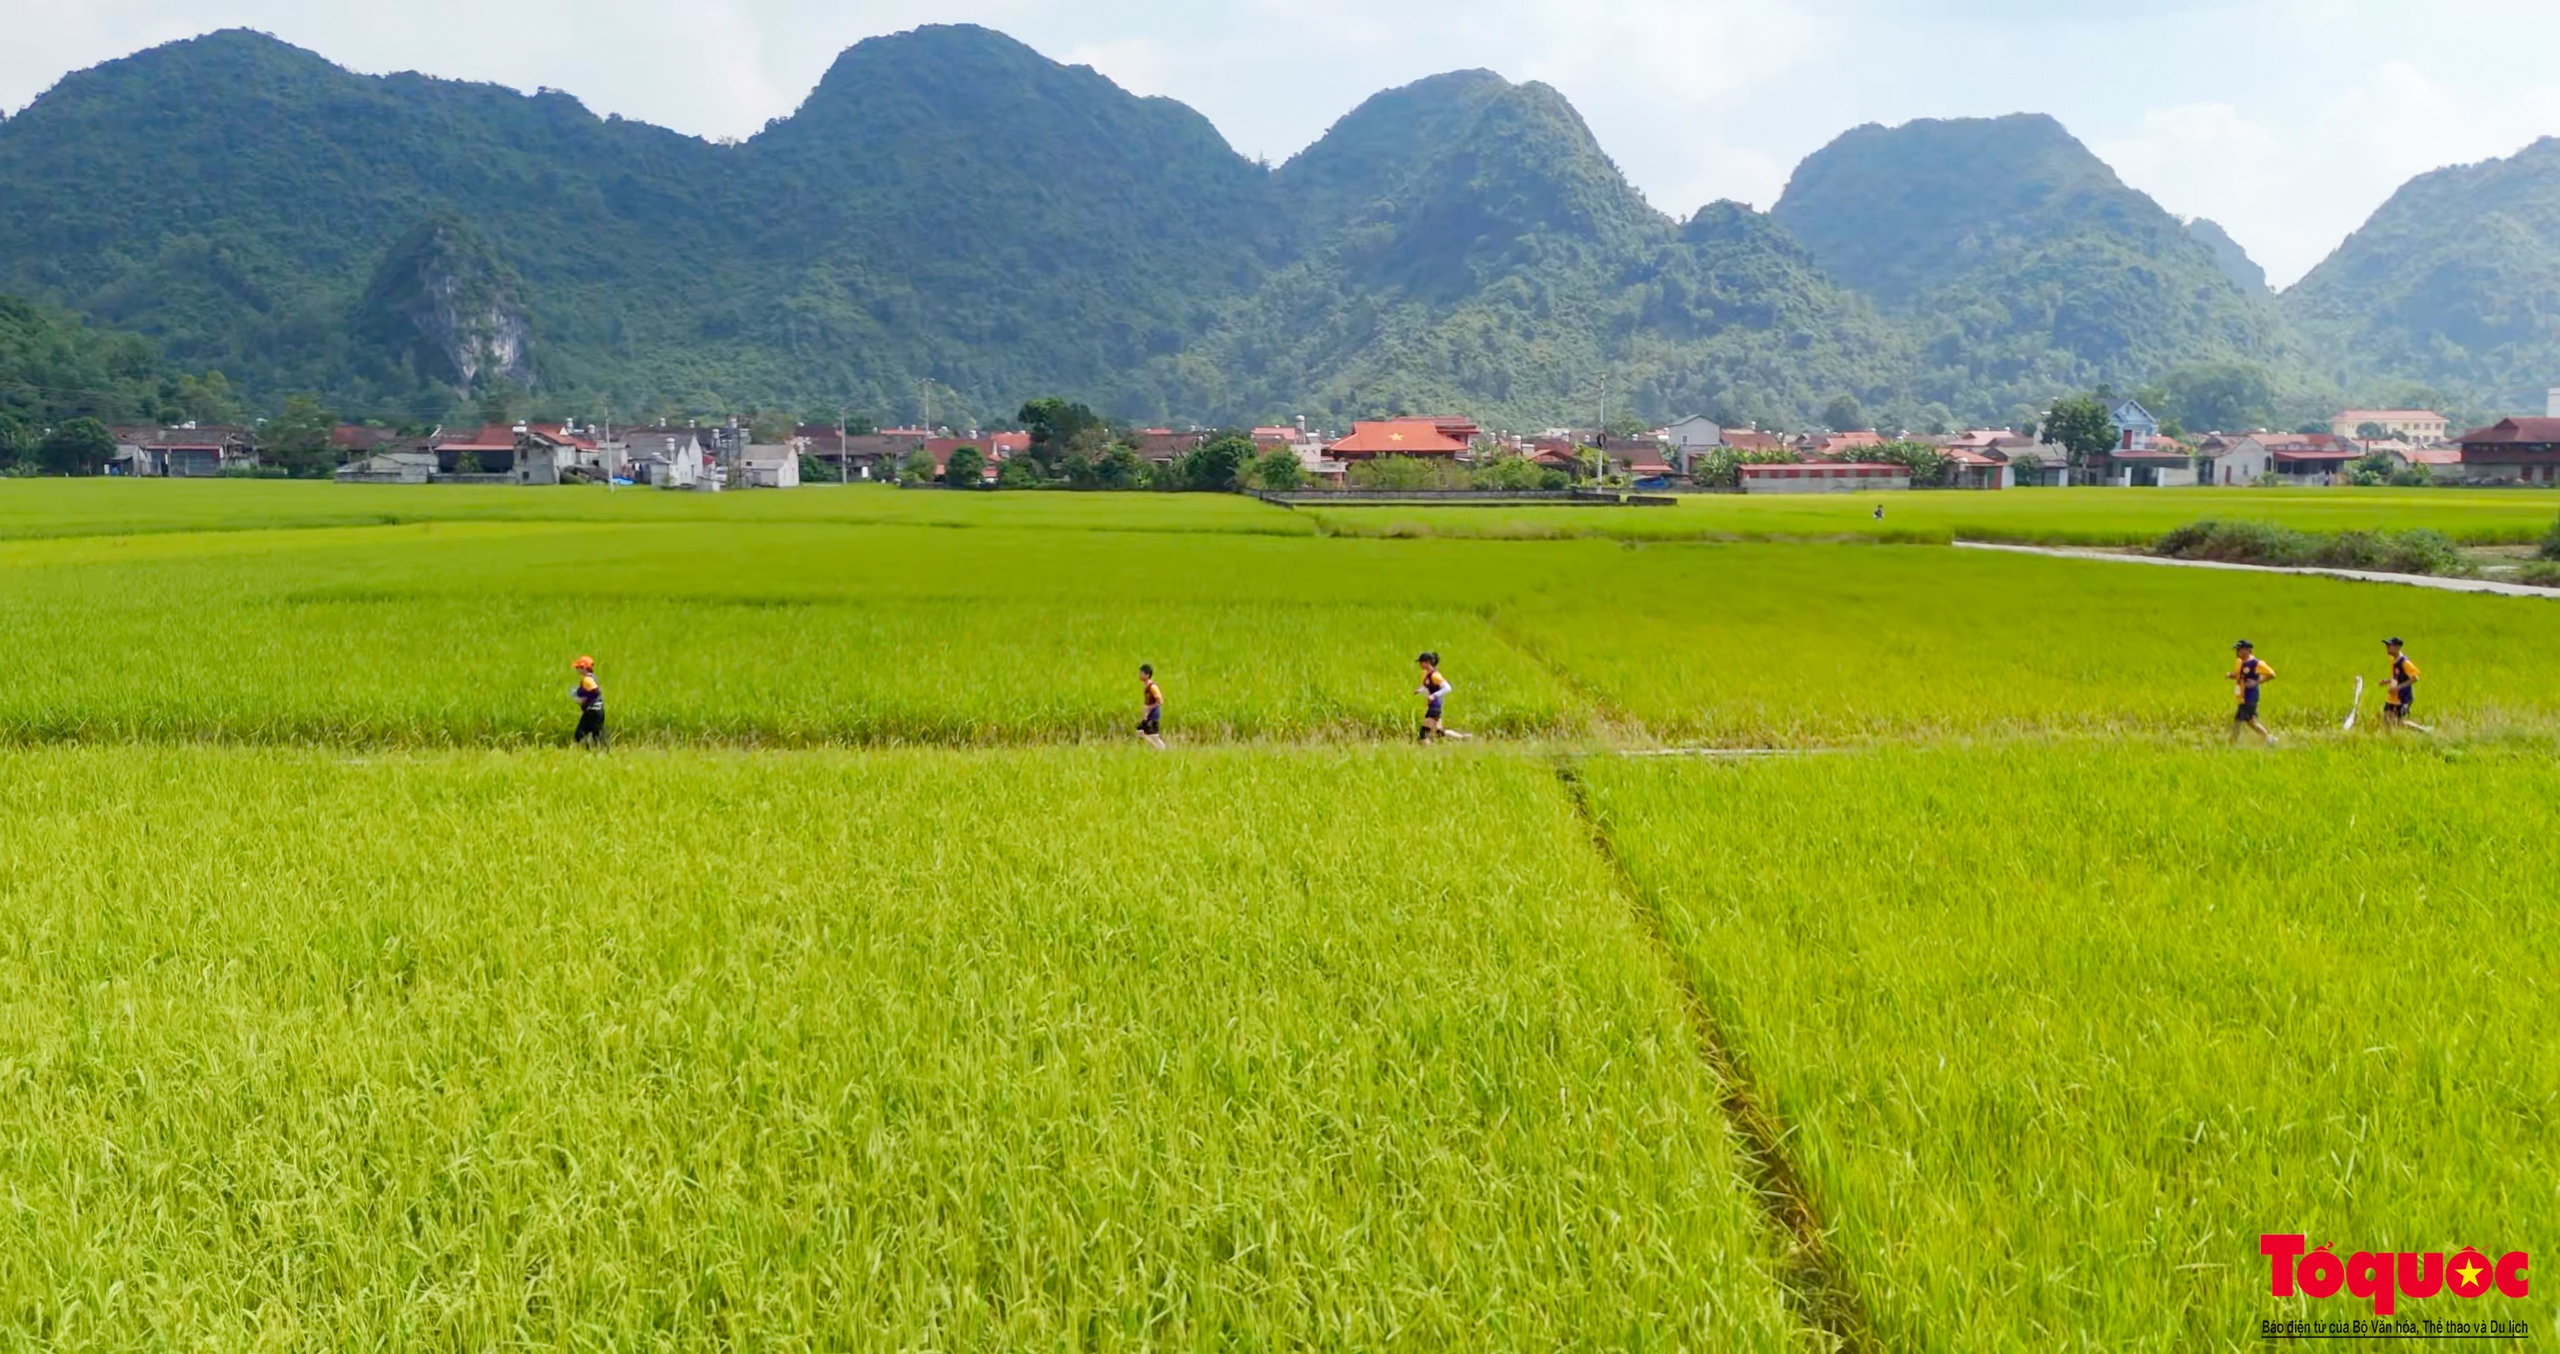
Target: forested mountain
x=2454 y=282
x=953 y=221
x=1465 y=244
x=2020 y=261
x=54 y=368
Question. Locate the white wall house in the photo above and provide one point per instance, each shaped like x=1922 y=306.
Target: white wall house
x=771 y=467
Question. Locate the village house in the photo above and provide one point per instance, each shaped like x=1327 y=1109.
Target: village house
x=1824 y=477
x=1395 y=437
x=660 y=457
x=1969 y=468
x=182 y=452
x=1161 y=445
x=1752 y=439
x=2441 y=464
x=2294 y=459
x=2032 y=463
x=770 y=466
x=484 y=455
x=1692 y=437
x=2512 y=451
x=2421 y=427
x=1832 y=446
x=2136 y=429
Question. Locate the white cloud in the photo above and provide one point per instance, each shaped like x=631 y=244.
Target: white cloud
x=2290 y=192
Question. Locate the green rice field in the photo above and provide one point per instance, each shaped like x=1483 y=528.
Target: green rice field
x=1827 y=941
x=2027 y=516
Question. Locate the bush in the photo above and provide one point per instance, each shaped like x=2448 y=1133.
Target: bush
x=1018 y=472
x=2550 y=547
x=2401 y=552
x=2541 y=573
x=1279 y=470
x=1517 y=473
x=815 y=471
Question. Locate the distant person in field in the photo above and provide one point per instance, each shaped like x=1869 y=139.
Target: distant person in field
x=1879 y=512
x=2248 y=673
x=1435 y=688
x=1151 y=727
x=2400 y=689
x=590 y=698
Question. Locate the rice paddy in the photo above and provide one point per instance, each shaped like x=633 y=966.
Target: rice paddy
x=879 y=991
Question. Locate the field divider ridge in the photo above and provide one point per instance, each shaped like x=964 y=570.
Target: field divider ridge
x=1817 y=1280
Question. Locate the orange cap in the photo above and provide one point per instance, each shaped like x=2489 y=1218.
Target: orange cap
x=584 y=664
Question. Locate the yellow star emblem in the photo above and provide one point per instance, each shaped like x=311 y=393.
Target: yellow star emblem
x=1395 y=437
x=2469 y=1275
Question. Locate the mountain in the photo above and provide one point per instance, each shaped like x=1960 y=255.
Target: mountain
x=947 y=204
x=54 y=368
x=953 y=221
x=2234 y=261
x=2454 y=282
x=1466 y=245
x=2021 y=261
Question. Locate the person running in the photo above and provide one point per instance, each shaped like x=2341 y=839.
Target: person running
x=1151 y=727
x=1435 y=689
x=1879 y=512
x=2400 y=690
x=2248 y=673
x=590 y=698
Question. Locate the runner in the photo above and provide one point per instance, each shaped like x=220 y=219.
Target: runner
x=590 y=698
x=2400 y=690
x=1151 y=728
x=1435 y=688
x=2247 y=675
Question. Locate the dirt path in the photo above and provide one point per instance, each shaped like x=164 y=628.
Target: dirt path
x=2351 y=575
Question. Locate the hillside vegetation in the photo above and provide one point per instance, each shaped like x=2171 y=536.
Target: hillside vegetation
x=2454 y=282
x=952 y=223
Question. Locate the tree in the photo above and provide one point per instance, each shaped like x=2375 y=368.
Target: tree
x=917 y=468
x=298 y=439
x=1279 y=471
x=1927 y=464
x=1018 y=472
x=1217 y=466
x=966 y=468
x=1845 y=415
x=1119 y=468
x=2313 y=429
x=2370 y=431
x=1509 y=471
x=1722 y=467
x=816 y=471
x=79 y=447
x=17 y=443
x=770 y=429
x=2081 y=426
x=497 y=403
x=1057 y=426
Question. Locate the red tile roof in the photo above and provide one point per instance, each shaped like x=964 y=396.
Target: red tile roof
x=2511 y=430
x=487 y=437
x=1397 y=437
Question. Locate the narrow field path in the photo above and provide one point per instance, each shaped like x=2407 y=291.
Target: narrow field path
x=1816 y=1278
x=2350 y=575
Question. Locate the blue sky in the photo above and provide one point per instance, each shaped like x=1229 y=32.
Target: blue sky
x=2288 y=121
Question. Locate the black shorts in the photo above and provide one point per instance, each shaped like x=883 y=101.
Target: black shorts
x=1154 y=722
x=2248 y=713
x=1433 y=712
x=2402 y=699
